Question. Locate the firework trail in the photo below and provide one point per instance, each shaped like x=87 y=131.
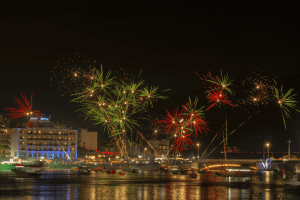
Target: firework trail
x=24 y=110
x=213 y=139
x=232 y=132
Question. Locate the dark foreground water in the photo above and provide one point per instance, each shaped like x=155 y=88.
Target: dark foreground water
x=146 y=185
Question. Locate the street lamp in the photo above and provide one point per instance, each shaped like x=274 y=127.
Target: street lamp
x=144 y=153
x=268 y=150
x=198 y=149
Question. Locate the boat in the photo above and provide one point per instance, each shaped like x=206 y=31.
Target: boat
x=193 y=175
x=84 y=170
x=32 y=171
x=111 y=171
x=121 y=173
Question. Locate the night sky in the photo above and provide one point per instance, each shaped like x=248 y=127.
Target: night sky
x=167 y=41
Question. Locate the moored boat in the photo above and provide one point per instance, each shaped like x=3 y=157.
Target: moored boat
x=27 y=172
x=111 y=171
x=193 y=175
x=83 y=170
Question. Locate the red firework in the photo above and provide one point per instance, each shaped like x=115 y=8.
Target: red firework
x=179 y=143
x=205 y=79
x=189 y=121
x=170 y=122
x=23 y=110
x=217 y=96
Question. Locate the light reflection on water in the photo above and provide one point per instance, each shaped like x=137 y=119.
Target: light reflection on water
x=150 y=185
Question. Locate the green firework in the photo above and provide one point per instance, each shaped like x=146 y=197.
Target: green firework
x=116 y=105
x=285 y=100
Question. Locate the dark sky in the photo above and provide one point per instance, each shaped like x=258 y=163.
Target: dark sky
x=167 y=40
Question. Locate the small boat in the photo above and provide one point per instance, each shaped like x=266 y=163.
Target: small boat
x=111 y=171
x=27 y=173
x=193 y=175
x=84 y=170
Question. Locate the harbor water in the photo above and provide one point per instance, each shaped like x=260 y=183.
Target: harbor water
x=147 y=185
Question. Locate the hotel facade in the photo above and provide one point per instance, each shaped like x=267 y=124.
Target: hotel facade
x=45 y=139
x=47 y=142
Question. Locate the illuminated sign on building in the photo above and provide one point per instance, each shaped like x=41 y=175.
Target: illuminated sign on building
x=42 y=118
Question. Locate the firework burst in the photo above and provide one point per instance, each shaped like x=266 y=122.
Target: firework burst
x=71 y=74
x=217 y=88
x=222 y=82
x=285 y=101
x=115 y=104
x=182 y=125
x=218 y=96
x=259 y=90
x=24 y=110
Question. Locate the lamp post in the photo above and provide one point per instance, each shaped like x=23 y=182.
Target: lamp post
x=144 y=153
x=268 y=150
x=198 y=149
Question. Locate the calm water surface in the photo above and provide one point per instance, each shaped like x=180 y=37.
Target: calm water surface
x=146 y=185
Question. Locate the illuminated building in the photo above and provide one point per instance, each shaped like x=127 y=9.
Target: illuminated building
x=4 y=143
x=48 y=140
x=87 y=139
x=4 y=137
